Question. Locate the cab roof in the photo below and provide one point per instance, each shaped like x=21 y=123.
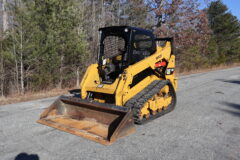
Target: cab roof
x=120 y=29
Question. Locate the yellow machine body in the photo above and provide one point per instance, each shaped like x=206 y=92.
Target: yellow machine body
x=107 y=116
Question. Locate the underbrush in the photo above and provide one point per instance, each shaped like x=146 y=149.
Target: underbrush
x=57 y=92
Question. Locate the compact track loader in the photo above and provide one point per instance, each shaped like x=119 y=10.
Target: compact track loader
x=132 y=82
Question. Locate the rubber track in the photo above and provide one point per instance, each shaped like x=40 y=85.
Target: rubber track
x=137 y=102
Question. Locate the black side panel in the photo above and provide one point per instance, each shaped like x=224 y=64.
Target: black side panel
x=140 y=76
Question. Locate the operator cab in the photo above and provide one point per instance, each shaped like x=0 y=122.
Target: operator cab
x=121 y=46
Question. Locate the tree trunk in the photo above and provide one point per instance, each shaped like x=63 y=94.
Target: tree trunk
x=118 y=18
x=78 y=78
x=22 y=76
x=17 y=72
x=61 y=72
x=1 y=72
x=21 y=63
x=5 y=16
x=103 y=14
x=94 y=18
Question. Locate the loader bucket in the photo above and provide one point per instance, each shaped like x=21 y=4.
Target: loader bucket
x=102 y=123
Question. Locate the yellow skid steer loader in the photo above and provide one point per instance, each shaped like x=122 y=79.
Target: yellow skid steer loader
x=133 y=81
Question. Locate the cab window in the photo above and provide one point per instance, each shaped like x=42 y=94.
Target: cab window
x=142 y=46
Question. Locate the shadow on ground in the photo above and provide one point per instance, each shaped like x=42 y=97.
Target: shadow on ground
x=235 y=108
x=25 y=156
x=230 y=81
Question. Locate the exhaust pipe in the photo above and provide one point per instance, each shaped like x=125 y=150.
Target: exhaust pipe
x=102 y=123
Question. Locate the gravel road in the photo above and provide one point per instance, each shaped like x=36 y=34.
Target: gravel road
x=204 y=125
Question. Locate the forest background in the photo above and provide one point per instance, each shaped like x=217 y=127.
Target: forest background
x=47 y=44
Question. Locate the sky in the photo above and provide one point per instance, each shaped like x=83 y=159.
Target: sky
x=233 y=6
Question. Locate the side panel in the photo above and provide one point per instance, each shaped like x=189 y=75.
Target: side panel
x=131 y=92
x=90 y=77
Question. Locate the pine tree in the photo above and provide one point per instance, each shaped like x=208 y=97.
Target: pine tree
x=62 y=44
x=226 y=32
